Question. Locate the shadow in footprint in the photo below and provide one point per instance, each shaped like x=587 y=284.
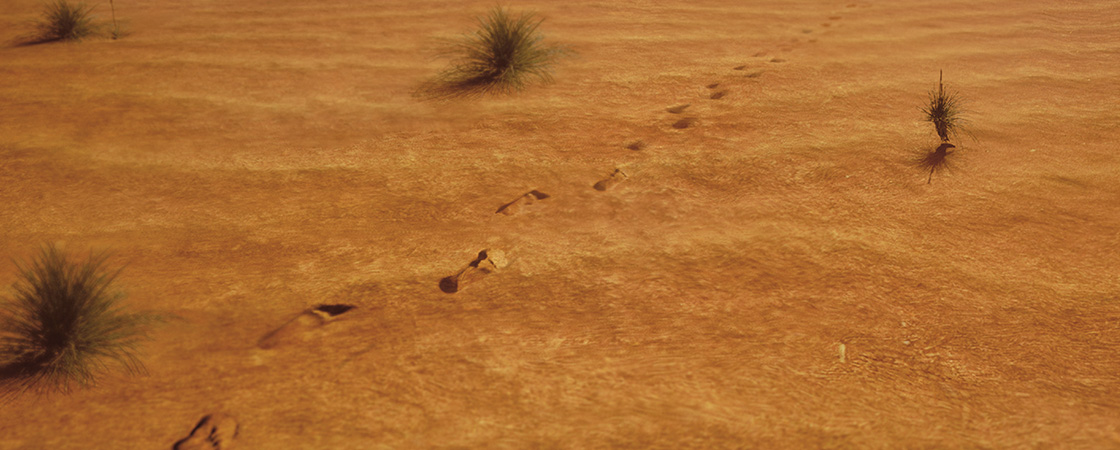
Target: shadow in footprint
x=713 y=86
x=755 y=74
x=935 y=161
x=777 y=60
x=517 y=205
x=678 y=109
x=636 y=145
x=717 y=95
x=213 y=432
x=739 y=68
x=615 y=177
x=688 y=121
x=484 y=264
x=302 y=326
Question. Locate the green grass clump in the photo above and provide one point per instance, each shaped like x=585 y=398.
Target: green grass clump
x=504 y=55
x=943 y=111
x=65 y=21
x=63 y=325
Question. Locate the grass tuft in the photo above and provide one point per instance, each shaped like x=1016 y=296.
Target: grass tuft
x=64 y=326
x=944 y=111
x=65 y=21
x=503 y=56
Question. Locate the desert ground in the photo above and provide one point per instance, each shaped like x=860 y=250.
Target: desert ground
x=247 y=160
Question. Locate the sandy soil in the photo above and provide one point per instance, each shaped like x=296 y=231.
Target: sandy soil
x=251 y=159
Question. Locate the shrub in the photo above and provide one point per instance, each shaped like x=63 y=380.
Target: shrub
x=64 y=21
x=943 y=111
x=64 y=324
x=502 y=56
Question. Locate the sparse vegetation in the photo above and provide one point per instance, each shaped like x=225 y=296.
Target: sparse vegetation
x=504 y=55
x=64 y=324
x=65 y=21
x=115 y=33
x=943 y=111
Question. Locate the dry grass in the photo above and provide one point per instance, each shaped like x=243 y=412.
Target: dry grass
x=64 y=324
x=65 y=21
x=504 y=55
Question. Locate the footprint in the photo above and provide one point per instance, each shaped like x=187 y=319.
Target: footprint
x=739 y=67
x=636 y=145
x=616 y=177
x=713 y=86
x=679 y=108
x=689 y=121
x=515 y=206
x=759 y=54
x=715 y=96
x=300 y=327
x=486 y=263
x=835 y=18
x=826 y=24
x=777 y=60
x=754 y=74
x=807 y=31
x=213 y=432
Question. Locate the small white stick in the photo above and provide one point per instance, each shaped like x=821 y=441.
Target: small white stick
x=843 y=353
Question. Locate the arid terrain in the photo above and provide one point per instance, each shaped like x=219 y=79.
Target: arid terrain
x=250 y=159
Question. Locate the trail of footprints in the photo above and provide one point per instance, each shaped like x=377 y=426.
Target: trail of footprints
x=218 y=431
x=485 y=264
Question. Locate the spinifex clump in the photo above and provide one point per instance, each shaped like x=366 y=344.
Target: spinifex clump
x=63 y=21
x=502 y=56
x=64 y=325
x=943 y=111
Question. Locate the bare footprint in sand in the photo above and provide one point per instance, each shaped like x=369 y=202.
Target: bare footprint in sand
x=616 y=177
x=739 y=67
x=717 y=95
x=302 y=326
x=687 y=121
x=755 y=74
x=485 y=263
x=678 y=109
x=213 y=432
x=777 y=60
x=636 y=145
x=518 y=205
x=713 y=86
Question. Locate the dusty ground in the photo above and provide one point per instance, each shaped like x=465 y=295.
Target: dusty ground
x=250 y=159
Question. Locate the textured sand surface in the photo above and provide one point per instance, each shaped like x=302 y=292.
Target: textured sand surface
x=251 y=159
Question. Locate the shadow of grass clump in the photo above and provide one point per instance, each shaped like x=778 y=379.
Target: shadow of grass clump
x=503 y=56
x=63 y=21
x=64 y=325
x=944 y=111
x=936 y=160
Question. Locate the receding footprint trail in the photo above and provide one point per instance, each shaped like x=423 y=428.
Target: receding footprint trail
x=519 y=205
